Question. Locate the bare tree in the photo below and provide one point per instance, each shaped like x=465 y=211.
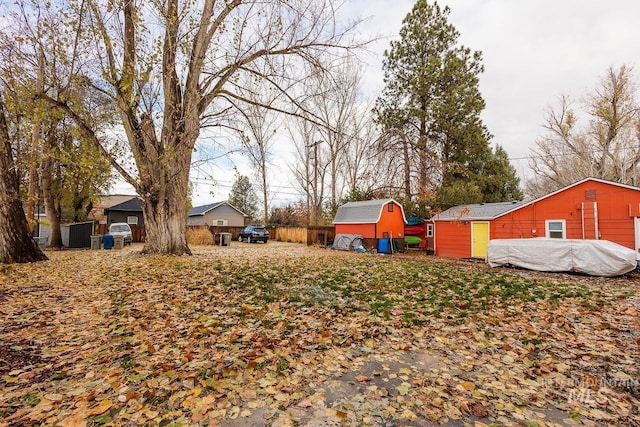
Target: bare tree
x=360 y=169
x=202 y=50
x=607 y=146
x=308 y=169
x=335 y=104
x=261 y=125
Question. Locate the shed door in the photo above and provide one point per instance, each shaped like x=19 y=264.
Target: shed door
x=479 y=239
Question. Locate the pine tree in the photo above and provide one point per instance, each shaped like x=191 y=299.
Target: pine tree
x=244 y=197
x=432 y=97
x=499 y=181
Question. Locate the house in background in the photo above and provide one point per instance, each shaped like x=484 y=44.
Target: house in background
x=105 y=202
x=588 y=209
x=372 y=219
x=220 y=214
x=129 y=211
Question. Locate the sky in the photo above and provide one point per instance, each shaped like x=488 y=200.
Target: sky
x=534 y=51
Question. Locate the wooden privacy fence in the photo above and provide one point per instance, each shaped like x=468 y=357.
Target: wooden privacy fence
x=321 y=235
x=309 y=235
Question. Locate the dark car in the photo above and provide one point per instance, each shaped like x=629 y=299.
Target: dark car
x=254 y=233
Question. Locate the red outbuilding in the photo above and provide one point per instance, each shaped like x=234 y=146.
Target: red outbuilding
x=372 y=219
x=589 y=209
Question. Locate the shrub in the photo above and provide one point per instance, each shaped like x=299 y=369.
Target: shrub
x=199 y=236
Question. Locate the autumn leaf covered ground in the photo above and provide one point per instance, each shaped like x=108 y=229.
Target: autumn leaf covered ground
x=281 y=334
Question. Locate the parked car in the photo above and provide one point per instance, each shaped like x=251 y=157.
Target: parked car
x=121 y=229
x=254 y=233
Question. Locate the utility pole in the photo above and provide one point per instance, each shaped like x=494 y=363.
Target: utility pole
x=315 y=180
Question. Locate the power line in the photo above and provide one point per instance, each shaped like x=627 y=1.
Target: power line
x=602 y=150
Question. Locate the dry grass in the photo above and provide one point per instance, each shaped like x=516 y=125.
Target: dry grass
x=199 y=236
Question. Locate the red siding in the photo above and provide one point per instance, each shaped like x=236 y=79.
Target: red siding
x=616 y=208
x=391 y=222
x=453 y=239
x=366 y=230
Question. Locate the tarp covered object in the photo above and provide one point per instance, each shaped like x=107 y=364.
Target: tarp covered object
x=347 y=241
x=593 y=257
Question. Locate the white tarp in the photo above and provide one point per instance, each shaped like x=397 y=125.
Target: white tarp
x=593 y=257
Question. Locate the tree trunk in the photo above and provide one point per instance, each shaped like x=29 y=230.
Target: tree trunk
x=164 y=206
x=165 y=225
x=32 y=190
x=51 y=202
x=407 y=166
x=16 y=244
x=265 y=192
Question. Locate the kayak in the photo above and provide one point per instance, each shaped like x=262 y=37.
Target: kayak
x=413 y=229
x=412 y=220
x=412 y=240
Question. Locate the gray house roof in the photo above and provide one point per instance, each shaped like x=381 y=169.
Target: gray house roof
x=367 y=212
x=132 y=205
x=202 y=210
x=477 y=211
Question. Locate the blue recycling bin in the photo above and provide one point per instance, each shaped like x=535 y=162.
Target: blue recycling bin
x=383 y=246
x=107 y=241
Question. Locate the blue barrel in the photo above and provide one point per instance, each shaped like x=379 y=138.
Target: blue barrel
x=107 y=241
x=383 y=246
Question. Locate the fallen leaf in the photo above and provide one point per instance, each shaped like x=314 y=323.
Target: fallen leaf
x=74 y=420
x=479 y=410
x=341 y=414
x=101 y=408
x=234 y=412
x=468 y=385
x=403 y=388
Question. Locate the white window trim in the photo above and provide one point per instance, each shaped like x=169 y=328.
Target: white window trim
x=564 y=227
x=429 y=230
x=132 y=220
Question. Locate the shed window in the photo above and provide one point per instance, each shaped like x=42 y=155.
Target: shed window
x=390 y=207
x=132 y=219
x=556 y=229
x=429 y=230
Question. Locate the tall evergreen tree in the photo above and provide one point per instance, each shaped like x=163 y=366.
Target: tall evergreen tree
x=499 y=181
x=432 y=98
x=244 y=197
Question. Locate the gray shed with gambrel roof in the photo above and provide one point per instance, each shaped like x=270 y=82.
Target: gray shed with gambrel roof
x=371 y=219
